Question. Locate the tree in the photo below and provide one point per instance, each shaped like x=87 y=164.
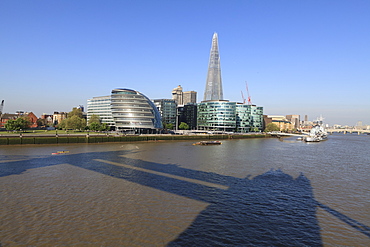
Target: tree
x=271 y=127
x=169 y=126
x=94 y=119
x=74 y=120
x=104 y=127
x=75 y=123
x=183 y=126
x=20 y=123
x=94 y=126
x=75 y=112
x=11 y=124
x=41 y=122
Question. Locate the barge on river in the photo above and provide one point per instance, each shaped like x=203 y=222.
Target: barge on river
x=205 y=143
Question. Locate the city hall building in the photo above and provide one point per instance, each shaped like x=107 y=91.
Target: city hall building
x=126 y=110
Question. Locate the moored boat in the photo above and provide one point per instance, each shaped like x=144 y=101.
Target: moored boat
x=205 y=143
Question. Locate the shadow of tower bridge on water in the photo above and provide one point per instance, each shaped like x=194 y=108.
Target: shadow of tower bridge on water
x=272 y=209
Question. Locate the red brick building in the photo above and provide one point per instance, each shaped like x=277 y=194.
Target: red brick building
x=7 y=116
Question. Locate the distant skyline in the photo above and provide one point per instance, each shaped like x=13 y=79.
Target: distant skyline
x=298 y=57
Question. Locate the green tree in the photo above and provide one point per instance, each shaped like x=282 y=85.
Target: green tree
x=94 y=126
x=104 y=127
x=169 y=126
x=21 y=123
x=11 y=124
x=75 y=112
x=271 y=127
x=94 y=119
x=75 y=123
x=183 y=126
x=74 y=120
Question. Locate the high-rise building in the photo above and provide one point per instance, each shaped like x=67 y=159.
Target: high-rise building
x=177 y=95
x=213 y=89
x=217 y=114
x=183 y=98
x=189 y=97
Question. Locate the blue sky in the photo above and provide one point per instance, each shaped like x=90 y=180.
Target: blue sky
x=298 y=57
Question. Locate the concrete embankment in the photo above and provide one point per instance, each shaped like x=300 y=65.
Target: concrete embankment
x=39 y=139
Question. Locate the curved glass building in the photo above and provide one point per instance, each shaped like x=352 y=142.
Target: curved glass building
x=133 y=110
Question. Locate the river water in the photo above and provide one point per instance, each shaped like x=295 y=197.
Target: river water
x=251 y=192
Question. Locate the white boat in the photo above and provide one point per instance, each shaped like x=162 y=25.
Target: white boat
x=317 y=134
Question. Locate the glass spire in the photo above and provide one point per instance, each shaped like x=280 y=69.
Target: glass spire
x=213 y=89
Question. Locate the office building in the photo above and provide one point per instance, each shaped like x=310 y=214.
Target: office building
x=167 y=108
x=101 y=106
x=182 y=98
x=218 y=115
x=188 y=114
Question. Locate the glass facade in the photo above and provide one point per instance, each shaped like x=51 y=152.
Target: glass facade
x=229 y=116
x=217 y=115
x=257 y=118
x=213 y=89
x=100 y=106
x=125 y=109
x=168 y=110
x=133 y=110
x=243 y=118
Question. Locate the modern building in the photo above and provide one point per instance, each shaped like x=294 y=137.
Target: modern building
x=177 y=95
x=189 y=97
x=167 y=108
x=101 y=106
x=229 y=116
x=213 y=90
x=126 y=110
x=183 y=98
x=217 y=114
x=188 y=114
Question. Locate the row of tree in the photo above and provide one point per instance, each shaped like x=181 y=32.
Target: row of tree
x=74 y=120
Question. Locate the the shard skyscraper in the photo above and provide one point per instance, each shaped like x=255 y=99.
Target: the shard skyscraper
x=213 y=89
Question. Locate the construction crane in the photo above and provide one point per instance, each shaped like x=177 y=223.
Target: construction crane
x=243 y=97
x=249 y=97
x=1 y=106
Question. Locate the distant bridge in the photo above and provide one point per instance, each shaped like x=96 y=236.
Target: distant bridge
x=346 y=131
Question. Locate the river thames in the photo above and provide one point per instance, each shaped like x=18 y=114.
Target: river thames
x=250 y=192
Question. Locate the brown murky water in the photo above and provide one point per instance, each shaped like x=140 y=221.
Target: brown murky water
x=177 y=194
